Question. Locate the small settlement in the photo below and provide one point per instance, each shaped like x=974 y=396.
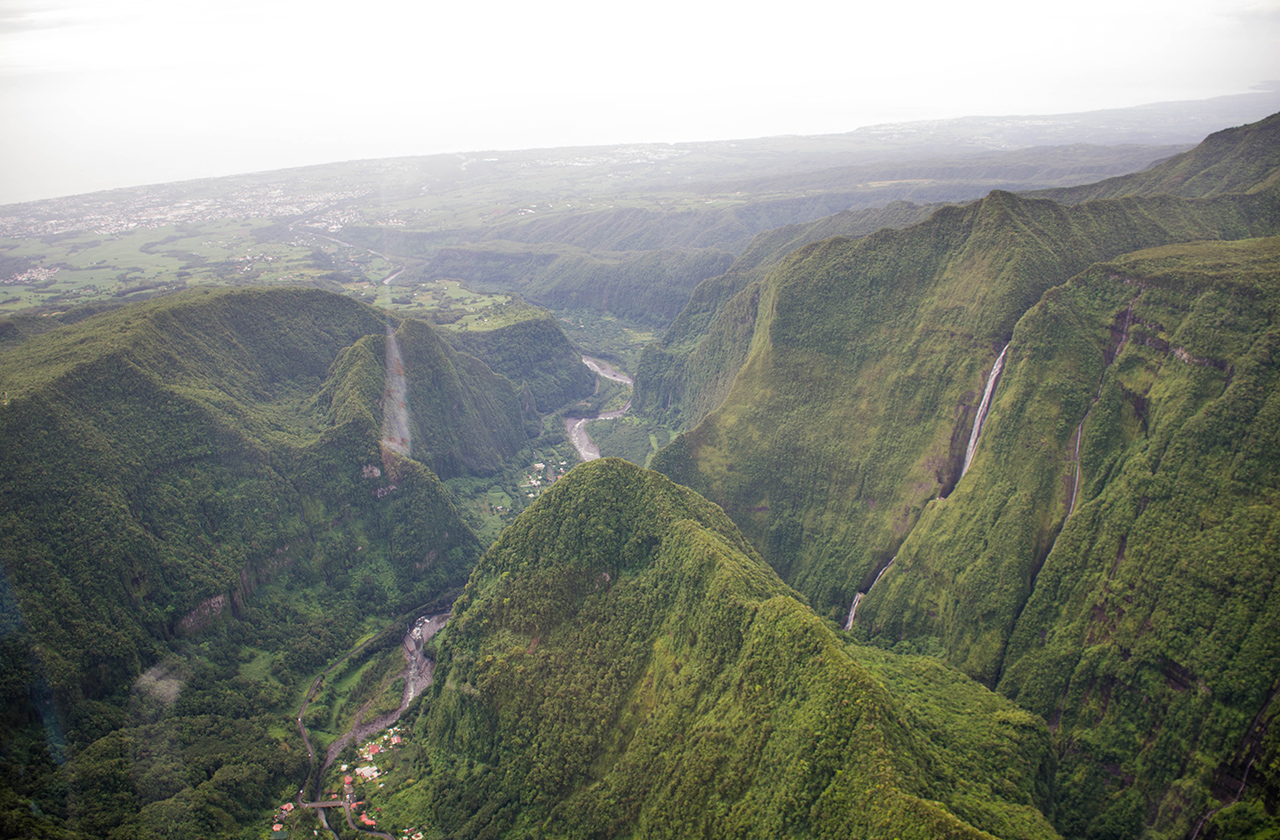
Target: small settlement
x=539 y=477
x=278 y=831
x=367 y=771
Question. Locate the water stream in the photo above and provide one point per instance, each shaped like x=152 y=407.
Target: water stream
x=983 y=408
x=576 y=426
x=853 y=609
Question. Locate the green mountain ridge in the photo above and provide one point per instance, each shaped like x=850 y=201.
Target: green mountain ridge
x=1244 y=160
x=855 y=369
x=218 y=504
x=843 y=320
x=623 y=664
x=688 y=373
x=204 y=478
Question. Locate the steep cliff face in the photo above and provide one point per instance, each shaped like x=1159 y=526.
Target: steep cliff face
x=688 y=373
x=1106 y=559
x=866 y=364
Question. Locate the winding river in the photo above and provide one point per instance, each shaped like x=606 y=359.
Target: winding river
x=417 y=674
x=577 y=426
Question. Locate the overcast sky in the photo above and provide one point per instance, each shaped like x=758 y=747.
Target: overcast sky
x=104 y=93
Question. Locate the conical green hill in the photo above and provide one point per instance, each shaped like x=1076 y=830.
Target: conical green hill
x=622 y=664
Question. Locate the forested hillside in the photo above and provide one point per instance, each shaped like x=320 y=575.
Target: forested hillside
x=164 y=462
x=1134 y=408
x=533 y=352
x=622 y=663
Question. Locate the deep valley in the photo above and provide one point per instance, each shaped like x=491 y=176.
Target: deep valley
x=939 y=498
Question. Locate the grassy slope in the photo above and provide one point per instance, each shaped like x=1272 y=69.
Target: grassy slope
x=623 y=664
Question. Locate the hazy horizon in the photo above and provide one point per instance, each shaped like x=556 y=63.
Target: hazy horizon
x=119 y=93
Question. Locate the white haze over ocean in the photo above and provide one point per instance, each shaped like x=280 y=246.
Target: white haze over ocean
x=104 y=93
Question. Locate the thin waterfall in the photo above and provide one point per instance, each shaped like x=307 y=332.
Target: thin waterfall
x=1124 y=336
x=395 y=413
x=1075 y=480
x=983 y=407
x=853 y=609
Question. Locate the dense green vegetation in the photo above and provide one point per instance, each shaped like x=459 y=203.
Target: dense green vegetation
x=623 y=663
x=534 y=352
x=629 y=438
x=1141 y=626
x=212 y=510
x=867 y=358
x=209 y=467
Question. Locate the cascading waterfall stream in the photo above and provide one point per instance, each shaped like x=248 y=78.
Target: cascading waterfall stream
x=853 y=609
x=1075 y=481
x=983 y=408
x=395 y=413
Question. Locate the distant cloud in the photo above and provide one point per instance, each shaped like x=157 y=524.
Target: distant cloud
x=163 y=89
x=27 y=15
